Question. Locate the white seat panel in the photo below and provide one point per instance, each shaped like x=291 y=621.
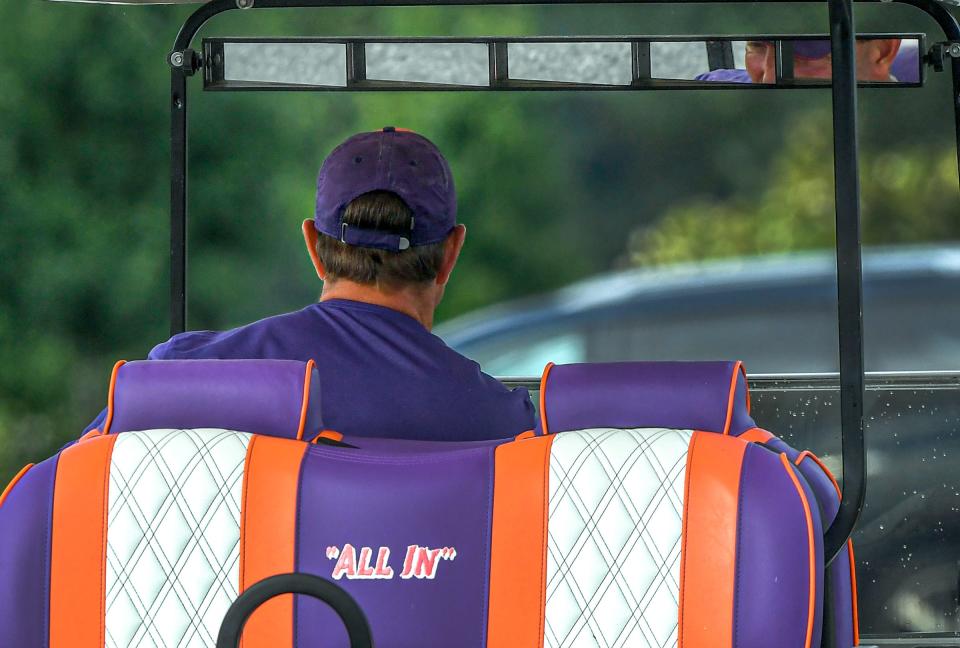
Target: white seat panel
x=173 y=536
x=615 y=523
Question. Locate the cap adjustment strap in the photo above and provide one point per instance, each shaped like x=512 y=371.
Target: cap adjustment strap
x=370 y=238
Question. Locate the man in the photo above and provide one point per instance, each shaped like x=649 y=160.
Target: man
x=812 y=60
x=384 y=240
x=878 y=60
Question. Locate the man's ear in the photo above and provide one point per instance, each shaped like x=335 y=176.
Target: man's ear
x=884 y=50
x=451 y=252
x=310 y=237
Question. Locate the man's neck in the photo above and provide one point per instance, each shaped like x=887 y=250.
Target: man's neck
x=407 y=301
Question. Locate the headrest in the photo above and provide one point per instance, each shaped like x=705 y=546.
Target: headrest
x=271 y=397
x=705 y=396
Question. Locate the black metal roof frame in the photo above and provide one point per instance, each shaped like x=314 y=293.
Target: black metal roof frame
x=183 y=62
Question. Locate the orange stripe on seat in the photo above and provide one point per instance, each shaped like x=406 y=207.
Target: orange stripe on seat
x=304 y=406
x=812 y=587
x=78 y=555
x=806 y=454
x=853 y=591
x=708 y=554
x=13 y=482
x=518 y=547
x=268 y=532
x=543 y=397
x=110 y=395
x=756 y=435
x=737 y=370
x=330 y=435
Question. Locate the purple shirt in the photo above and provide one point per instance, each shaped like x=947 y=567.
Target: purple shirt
x=382 y=373
x=725 y=76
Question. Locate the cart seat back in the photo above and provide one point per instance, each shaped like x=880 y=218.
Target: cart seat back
x=705 y=396
x=636 y=535
x=271 y=397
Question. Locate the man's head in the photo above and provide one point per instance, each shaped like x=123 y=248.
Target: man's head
x=812 y=59
x=385 y=225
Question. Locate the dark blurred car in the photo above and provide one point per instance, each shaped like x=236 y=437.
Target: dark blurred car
x=778 y=314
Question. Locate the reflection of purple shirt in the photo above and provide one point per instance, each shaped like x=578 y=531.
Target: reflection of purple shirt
x=725 y=76
x=382 y=373
x=906 y=66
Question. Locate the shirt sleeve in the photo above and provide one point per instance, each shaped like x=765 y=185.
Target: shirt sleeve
x=162 y=351
x=188 y=345
x=526 y=413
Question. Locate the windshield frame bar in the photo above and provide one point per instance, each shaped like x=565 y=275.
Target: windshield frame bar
x=819 y=381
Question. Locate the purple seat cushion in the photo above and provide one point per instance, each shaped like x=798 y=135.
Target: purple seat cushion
x=706 y=396
x=258 y=396
x=397 y=494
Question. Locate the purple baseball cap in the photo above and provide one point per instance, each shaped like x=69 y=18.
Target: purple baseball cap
x=811 y=49
x=394 y=160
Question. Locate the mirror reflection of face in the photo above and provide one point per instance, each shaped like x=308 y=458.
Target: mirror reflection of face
x=874 y=59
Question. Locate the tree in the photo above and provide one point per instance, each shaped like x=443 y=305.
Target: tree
x=909 y=195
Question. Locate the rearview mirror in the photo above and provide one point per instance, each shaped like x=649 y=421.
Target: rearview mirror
x=881 y=59
x=617 y=63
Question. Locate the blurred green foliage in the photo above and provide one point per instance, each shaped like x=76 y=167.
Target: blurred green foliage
x=909 y=196
x=551 y=185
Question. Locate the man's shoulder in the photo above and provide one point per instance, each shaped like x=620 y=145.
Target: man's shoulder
x=253 y=340
x=427 y=363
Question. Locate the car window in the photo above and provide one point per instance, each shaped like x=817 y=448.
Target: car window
x=527 y=355
x=911 y=323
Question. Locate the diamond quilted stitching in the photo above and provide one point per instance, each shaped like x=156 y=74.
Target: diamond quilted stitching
x=173 y=536
x=615 y=522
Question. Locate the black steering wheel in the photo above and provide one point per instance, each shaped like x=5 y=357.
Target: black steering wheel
x=358 y=629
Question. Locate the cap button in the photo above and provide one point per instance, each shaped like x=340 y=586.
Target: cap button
x=389 y=129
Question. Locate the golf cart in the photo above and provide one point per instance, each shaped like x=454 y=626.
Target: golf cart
x=584 y=64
